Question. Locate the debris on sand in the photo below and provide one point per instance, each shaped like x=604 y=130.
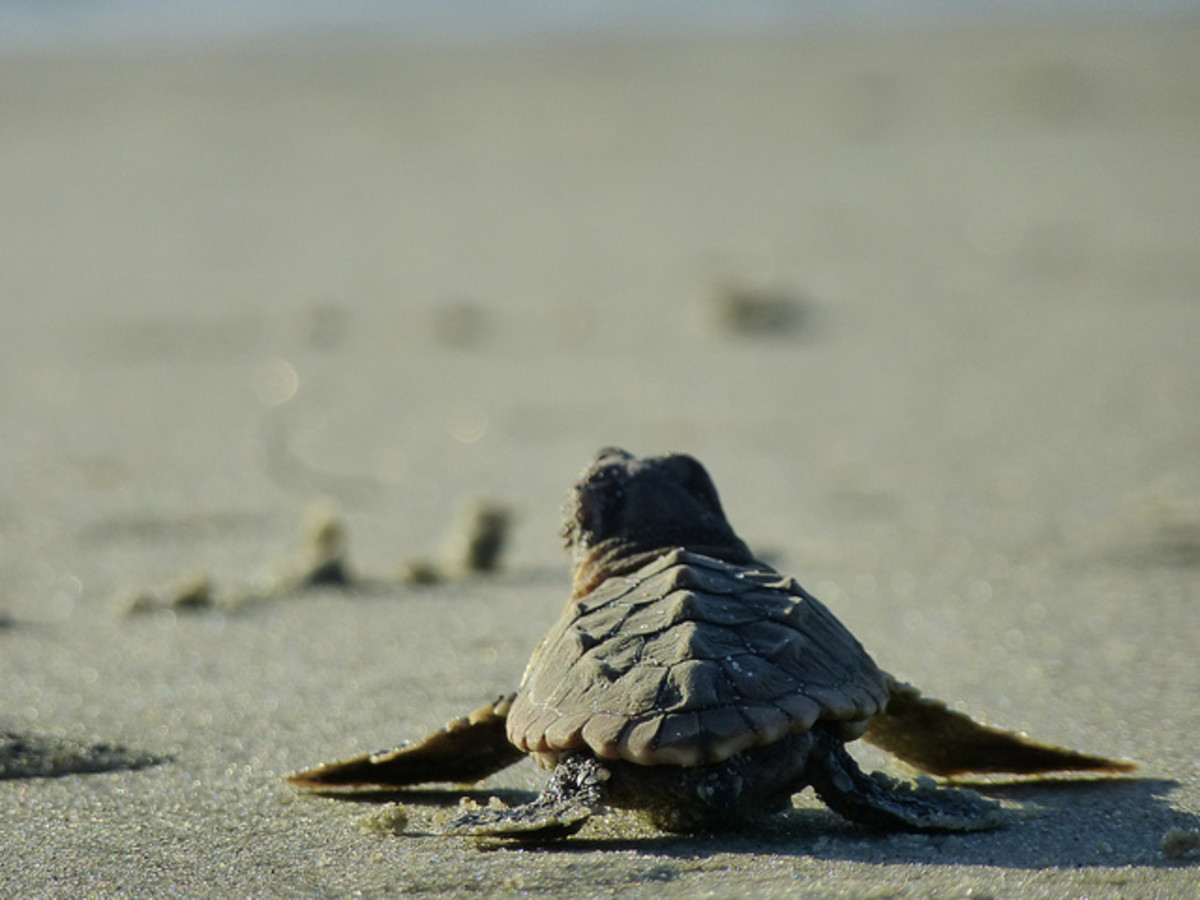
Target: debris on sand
x=744 y=310
x=478 y=541
x=323 y=559
x=44 y=756
x=190 y=594
x=475 y=546
x=1180 y=843
x=391 y=818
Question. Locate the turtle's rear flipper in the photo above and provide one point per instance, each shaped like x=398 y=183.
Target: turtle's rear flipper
x=925 y=733
x=878 y=801
x=575 y=792
x=465 y=751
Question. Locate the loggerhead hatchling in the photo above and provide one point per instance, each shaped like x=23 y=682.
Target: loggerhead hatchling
x=690 y=681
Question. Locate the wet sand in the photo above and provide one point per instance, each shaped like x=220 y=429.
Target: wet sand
x=927 y=304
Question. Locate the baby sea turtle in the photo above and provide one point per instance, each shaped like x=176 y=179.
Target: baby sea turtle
x=690 y=681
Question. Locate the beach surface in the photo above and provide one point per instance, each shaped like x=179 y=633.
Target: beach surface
x=925 y=302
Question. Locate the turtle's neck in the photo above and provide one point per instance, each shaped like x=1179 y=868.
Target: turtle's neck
x=616 y=557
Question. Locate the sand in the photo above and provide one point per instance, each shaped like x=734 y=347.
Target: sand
x=396 y=281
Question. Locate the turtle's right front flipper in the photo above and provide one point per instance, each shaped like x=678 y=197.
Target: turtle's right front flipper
x=929 y=735
x=465 y=751
x=883 y=803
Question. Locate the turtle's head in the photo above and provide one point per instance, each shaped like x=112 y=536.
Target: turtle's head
x=648 y=504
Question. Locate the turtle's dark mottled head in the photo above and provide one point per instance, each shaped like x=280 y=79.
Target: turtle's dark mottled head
x=651 y=503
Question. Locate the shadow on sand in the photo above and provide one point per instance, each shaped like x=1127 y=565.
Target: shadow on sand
x=1065 y=823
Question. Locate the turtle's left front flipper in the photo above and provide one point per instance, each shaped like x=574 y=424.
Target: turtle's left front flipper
x=927 y=734
x=574 y=793
x=467 y=750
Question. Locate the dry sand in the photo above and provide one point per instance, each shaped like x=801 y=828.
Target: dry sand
x=396 y=281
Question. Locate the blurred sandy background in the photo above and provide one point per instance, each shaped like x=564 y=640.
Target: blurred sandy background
x=394 y=279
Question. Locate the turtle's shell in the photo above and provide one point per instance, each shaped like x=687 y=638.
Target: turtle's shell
x=688 y=661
